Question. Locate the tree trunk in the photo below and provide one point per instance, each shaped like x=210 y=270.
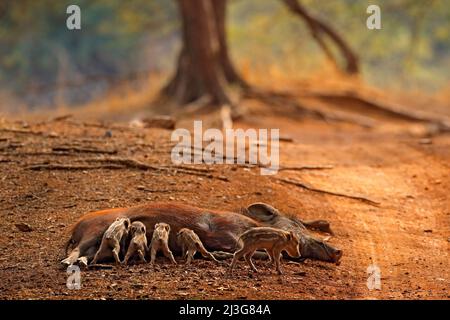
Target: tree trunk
x=224 y=60
x=204 y=66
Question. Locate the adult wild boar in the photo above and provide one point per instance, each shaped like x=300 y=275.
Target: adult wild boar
x=218 y=230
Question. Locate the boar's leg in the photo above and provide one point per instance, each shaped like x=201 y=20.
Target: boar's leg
x=222 y=255
x=72 y=258
x=83 y=248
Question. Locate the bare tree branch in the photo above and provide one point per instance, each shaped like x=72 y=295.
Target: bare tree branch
x=318 y=29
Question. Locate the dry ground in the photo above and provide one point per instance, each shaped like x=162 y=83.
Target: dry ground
x=407 y=236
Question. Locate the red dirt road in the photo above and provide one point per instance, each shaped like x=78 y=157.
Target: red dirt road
x=407 y=236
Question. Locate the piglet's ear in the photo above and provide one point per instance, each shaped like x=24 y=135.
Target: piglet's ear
x=168 y=228
x=289 y=236
x=126 y=223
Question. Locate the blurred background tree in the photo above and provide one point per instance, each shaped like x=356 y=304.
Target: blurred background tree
x=43 y=63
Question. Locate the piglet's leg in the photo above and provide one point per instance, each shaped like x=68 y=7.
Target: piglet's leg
x=206 y=254
x=237 y=255
x=190 y=255
x=277 y=257
x=248 y=258
x=169 y=254
x=130 y=252
x=116 y=251
x=142 y=255
x=152 y=255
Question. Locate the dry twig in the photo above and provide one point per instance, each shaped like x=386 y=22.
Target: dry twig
x=310 y=188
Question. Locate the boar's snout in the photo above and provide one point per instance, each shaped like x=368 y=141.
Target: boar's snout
x=337 y=256
x=316 y=249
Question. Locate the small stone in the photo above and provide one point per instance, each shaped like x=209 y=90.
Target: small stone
x=52 y=134
x=428 y=230
x=425 y=141
x=182 y=294
x=23 y=227
x=137 y=286
x=140 y=187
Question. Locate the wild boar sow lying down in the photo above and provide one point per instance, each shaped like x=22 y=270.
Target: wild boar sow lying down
x=218 y=230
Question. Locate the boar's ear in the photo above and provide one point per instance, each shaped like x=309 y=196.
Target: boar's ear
x=289 y=236
x=261 y=212
x=167 y=228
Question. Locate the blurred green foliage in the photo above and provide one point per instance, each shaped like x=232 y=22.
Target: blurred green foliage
x=118 y=37
x=36 y=46
x=412 y=50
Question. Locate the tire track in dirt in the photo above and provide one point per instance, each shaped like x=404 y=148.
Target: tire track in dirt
x=391 y=249
x=390 y=236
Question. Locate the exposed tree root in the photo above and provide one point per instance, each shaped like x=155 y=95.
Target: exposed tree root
x=36 y=154
x=22 y=131
x=304 y=186
x=69 y=167
x=286 y=103
x=301 y=168
x=83 y=150
x=56 y=119
x=389 y=108
x=122 y=163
